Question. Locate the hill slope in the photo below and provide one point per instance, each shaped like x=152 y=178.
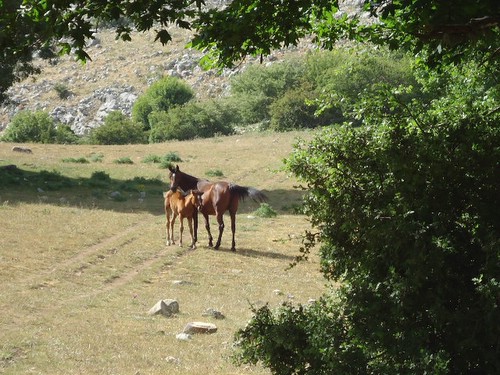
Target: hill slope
x=118 y=73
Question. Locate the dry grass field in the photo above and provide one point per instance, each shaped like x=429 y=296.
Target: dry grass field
x=79 y=271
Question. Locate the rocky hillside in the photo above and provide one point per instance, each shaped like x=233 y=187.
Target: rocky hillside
x=118 y=73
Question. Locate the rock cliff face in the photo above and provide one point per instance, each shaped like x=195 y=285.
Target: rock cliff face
x=82 y=95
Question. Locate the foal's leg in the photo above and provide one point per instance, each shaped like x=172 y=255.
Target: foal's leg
x=220 y=221
x=172 y=222
x=207 y=227
x=167 y=225
x=181 y=219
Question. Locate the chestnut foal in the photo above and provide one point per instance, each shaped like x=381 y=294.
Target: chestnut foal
x=184 y=206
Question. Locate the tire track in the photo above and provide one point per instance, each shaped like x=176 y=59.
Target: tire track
x=85 y=253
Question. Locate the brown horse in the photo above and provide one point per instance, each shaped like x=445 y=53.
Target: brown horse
x=184 y=206
x=218 y=197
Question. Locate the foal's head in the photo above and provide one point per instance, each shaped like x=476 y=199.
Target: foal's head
x=197 y=199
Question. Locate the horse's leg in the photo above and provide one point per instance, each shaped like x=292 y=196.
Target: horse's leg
x=220 y=221
x=207 y=227
x=172 y=222
x=195 y=219
x=233 y=229
x=181 y=219
x=193 y=239
x=167 y=225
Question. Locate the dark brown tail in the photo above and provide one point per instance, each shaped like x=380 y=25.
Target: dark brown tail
x=243 y=192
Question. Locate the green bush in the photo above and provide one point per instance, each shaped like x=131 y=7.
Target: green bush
x=193 y=120
x=117 y=129
x=64 y=135
x=265 y=211
x=151 y=158
x=37 y=127
x=257 y=87
x=161 y=96
x=123 y=160
x=295 y=110
x=315 y=90
x=80 y=160
x=62 y=91
x=405 y=210
x=214 y=173
x=340 y=77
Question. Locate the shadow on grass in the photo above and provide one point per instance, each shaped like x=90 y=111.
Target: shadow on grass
x=102 y=192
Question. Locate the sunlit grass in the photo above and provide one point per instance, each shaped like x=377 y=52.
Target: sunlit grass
x=80 y=270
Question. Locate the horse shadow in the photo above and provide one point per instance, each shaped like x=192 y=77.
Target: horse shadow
x=253 y=253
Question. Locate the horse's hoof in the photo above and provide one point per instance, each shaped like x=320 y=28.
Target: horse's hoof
x=233 y=249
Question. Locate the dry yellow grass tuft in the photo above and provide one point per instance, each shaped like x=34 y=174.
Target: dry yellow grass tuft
x=79 y=274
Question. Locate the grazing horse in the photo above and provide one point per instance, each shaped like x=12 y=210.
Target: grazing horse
x=218 y=197
x=184 y=206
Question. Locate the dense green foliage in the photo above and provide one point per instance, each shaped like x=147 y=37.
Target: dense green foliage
x=314 y=90
x=37 y=127
x=190 y=121
x=404 y=206
x=117 y=129
x=405 y=210
x=161 y=96
x=304 y=92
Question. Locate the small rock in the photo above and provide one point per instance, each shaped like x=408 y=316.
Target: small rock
x=26 y=150
x=166 y=307
x=181 y=282
x=115 y=194
x=183 y=336
x=174 y=360
x=213 y=313
x=200 y=327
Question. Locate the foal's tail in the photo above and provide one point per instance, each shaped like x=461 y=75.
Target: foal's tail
x=243 y=192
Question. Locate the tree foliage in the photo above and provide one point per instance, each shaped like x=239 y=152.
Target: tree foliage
x=405 y=210
x=117 y=129
x=243 y=27
x=37 y=127
x=161 y=96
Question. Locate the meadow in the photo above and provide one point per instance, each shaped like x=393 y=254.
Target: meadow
x=83 y=259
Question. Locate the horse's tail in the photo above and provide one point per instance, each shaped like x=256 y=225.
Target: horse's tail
x=243 y=192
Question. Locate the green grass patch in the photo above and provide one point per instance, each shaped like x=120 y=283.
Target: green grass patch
x=214 y=173
x=265 y=211
x=80 y=160
x=123 y=160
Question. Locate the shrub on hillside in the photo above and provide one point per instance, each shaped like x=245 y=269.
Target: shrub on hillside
x=297 y=110
x=161 y=96
x=342 y=76
x=37 y=127
x=333 y=81
x=117 y=129
x=257 y=87
x=193 y=120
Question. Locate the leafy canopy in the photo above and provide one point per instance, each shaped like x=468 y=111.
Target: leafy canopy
x=243 y=27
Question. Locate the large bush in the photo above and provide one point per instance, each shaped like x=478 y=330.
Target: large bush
x=190 y=121
x=117 y=129
x=406 y=211
x=162 y=95
x=318 y=89
x=37 y=127
x=258 y=86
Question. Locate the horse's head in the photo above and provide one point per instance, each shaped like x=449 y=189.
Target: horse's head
x=197 y=198
x=174 y=177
